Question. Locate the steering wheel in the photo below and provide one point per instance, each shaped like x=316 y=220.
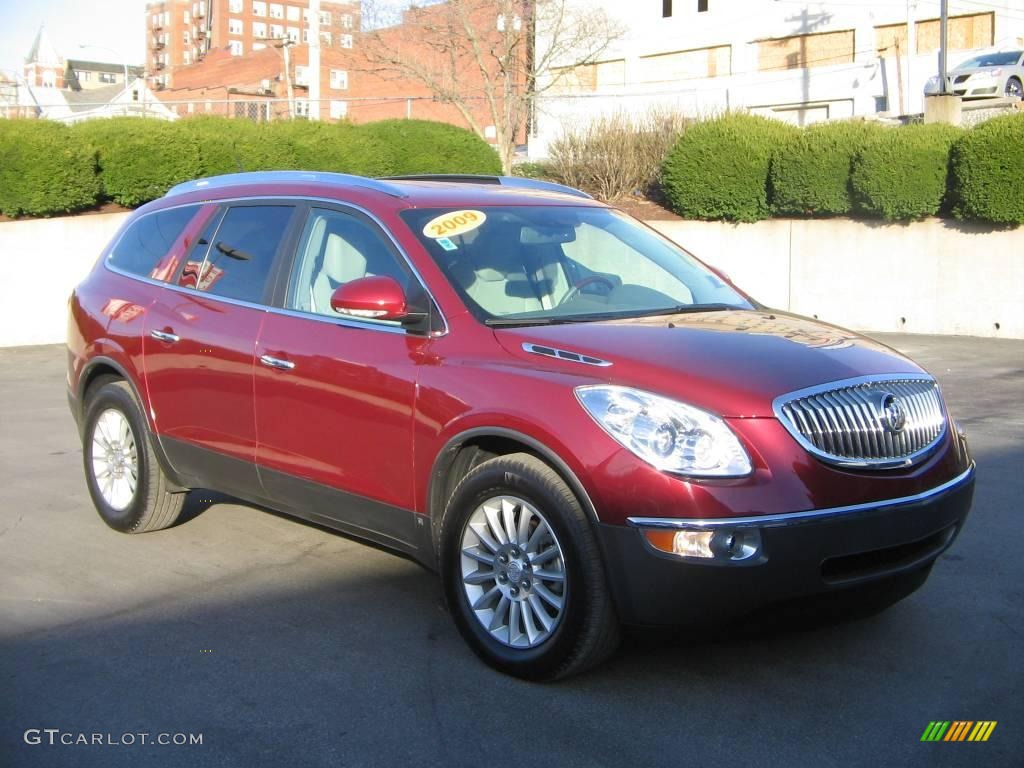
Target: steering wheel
x=575 y=291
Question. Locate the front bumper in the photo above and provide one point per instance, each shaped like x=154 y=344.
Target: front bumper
x=802 y=554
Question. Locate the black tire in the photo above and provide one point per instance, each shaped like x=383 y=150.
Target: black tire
x=587 y=630
x=1014 y=88
x=152 y=506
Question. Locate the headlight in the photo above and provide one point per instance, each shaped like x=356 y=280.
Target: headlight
x=672 y=436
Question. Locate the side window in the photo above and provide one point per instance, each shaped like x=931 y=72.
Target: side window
x=240 y=252
x=335 y=249
x=148 y=240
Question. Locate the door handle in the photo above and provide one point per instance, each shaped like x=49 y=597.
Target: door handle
x=169 y=338
x=276 y=363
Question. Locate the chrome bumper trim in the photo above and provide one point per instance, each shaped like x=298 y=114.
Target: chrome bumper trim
x=796 y=518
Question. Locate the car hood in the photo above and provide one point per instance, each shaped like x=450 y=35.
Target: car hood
x=734 y=363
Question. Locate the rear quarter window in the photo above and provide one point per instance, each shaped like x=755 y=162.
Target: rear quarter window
x=148 y=239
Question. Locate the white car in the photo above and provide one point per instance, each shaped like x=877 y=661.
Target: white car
x=987 y=75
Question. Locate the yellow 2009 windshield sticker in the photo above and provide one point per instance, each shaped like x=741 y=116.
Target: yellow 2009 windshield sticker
x=454 y=223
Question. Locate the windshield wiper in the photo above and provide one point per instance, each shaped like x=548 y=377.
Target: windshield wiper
x=515 y=322
x=682 y=309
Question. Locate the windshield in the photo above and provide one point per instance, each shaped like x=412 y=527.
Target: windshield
x=1002 y=59
x=529 y=265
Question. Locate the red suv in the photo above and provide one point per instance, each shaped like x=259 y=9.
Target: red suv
x=569 y=417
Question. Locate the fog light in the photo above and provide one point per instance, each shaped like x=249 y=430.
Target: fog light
x=722 y=545
x=682 y=543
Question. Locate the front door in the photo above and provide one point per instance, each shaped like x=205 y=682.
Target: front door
x=334 y=396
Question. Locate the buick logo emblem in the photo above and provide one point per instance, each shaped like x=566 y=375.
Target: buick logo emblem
x=894 y=415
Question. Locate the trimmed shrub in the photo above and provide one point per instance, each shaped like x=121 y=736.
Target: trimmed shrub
x=903 y=174
x=810 y=174
x=616 y=155
x=141 y=158
x=45 y=169
x=719 y=168
x=988 y=171
x=338 y=147
x=424 y=146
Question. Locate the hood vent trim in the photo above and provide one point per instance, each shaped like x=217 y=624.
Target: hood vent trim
x=563 y=354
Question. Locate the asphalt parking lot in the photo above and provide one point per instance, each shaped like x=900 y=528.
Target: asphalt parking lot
x=286 y=645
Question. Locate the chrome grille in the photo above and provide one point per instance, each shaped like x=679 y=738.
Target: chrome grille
x=847 y=422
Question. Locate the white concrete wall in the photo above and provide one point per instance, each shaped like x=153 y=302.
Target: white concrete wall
x=41 y=260
x=927 y=277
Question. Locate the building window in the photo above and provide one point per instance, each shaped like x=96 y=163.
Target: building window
x=187 y=57
x=666 y=8
x=346 y=21
x=236 y=47
x=186 y=37
x=234 y=6
x=258 y=46
x=345 y=41
x=301 y=75
x=234 y=26
x=339 y=109
x=301 y=108
x=276 y=11
x=339 y=79
x=259 y=9
x=325 y=39
x=188 y=17
x=305 y=35
x=108 y=77
x=259 y=29
x=325 y=18
x=276 y=31
x=702 y=6
x=293 y=34
x=293 y=13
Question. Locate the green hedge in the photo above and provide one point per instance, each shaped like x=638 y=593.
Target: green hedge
x=902 y=174
x=45 y=169
x=988 y=171
x=719 y=168
x=141 y=158
x=810 y=174
x=422 y=146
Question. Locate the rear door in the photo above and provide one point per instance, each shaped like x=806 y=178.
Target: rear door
x=199 y=341
x=334 y=395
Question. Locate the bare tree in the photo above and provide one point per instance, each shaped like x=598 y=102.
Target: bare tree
x=484 y=57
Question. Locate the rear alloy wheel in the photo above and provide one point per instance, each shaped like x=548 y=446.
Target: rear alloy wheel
x=127 y=486
x=1014 y=89
x=522 y=572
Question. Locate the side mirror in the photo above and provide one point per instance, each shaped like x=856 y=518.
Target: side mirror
x=380 y=298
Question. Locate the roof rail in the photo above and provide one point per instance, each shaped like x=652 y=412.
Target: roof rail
x=518 y=182
x=265 y=177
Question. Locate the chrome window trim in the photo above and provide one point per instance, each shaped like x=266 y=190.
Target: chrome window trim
x=796 y=518
x=345 y=321
x=904 y=461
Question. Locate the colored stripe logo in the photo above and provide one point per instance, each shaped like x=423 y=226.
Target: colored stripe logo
x=958 y=730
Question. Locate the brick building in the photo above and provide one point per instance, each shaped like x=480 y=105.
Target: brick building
x=181 y=33
x=254 y=82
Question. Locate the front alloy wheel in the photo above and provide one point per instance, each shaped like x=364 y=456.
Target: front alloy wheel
x=522 y=571
x=513 y=571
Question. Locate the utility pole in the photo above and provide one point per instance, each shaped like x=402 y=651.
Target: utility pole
x=285 y=44
x=911 y=52
x=943 y=44
x=314 y=59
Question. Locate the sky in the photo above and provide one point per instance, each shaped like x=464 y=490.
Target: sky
x=71 y=23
